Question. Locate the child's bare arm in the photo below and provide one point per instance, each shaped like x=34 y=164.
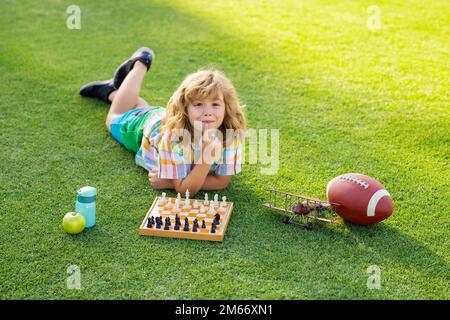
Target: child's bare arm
x=198 y=177
x=194 y=180
x=158 y=183
x=216 y=182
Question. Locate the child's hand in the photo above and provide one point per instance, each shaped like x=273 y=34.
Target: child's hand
x=211 y=149
x=158 y=183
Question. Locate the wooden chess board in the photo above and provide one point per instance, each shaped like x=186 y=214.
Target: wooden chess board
x=167 y=210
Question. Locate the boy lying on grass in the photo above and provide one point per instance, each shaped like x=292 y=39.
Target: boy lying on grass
x=193 y=144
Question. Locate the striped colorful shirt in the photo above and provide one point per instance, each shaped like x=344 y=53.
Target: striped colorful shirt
x=175 y=161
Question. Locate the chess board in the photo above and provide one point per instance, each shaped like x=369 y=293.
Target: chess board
x=164 y=210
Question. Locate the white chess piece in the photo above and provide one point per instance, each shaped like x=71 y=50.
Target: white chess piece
x=187 y=204
x=202 y=209
x=176 y=208
x=196 y=204
x=216 y=199
x=163 y=200
x=223 y=204
x=206 y=199
x=211 y=210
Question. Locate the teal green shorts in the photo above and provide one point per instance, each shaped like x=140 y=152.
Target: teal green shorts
x=128 y=128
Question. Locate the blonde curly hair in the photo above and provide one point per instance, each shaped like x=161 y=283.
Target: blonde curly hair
x=206 y=83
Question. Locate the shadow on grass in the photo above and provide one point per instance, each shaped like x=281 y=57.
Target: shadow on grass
x=379 y=243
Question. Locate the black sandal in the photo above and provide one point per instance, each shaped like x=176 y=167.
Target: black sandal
x=144 y=55
x=98 y=89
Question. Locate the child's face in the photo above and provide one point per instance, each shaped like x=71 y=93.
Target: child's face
x=209 y=112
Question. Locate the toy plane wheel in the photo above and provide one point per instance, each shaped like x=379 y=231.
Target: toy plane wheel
x=309 y=226
x=286 y=220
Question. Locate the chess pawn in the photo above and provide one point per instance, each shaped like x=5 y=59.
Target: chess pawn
x=176 y=208
x=186 y=224
x=196 y=204
x=202 y=209
x=163 y=200
x=195 y=226
x=211 y=210
x=223 y=204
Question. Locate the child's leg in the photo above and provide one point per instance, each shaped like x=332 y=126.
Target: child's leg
x=127 y=97
x=140 y=102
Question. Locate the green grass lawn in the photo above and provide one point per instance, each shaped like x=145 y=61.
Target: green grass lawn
x=344 y=98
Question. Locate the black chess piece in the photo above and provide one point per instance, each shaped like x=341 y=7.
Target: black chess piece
x=194 y=228
x=176 y=227
x=203 y=224
x=149 y=222
x=213 y=228
x=186 y=224
x=168 y=221
x=217 y=219
x=158 y=224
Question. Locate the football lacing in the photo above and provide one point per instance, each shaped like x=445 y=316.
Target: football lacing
x=355 y=180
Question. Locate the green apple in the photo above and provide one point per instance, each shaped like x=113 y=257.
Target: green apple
x=74 y=222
